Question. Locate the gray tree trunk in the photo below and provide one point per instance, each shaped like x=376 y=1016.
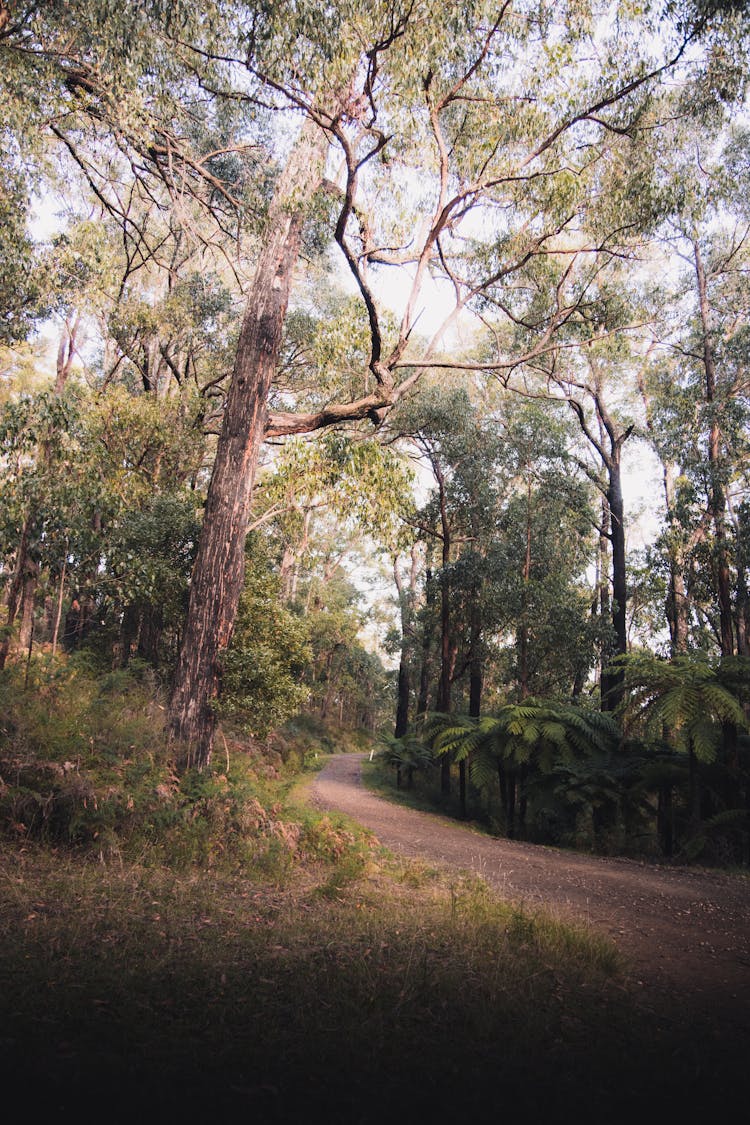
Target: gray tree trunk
x=218 y=572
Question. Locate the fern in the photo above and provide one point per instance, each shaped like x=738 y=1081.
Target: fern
x=687 y=695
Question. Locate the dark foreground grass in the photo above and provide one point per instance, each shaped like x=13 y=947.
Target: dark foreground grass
x=360 y=991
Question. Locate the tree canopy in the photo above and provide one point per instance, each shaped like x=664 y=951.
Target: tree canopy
x=407 y=290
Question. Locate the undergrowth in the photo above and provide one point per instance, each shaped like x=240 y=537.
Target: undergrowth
x=85 y=764
x=210 y=946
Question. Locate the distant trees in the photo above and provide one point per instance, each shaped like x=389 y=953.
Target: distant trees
x=208 y=163
x=695 y=390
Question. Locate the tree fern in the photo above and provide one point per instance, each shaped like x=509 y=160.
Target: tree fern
x=686 y=696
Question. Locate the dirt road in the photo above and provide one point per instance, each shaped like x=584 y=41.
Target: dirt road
x=684 y=931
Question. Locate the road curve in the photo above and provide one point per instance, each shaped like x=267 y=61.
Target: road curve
x=683 y=930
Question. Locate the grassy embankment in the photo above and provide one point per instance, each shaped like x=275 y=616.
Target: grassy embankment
x=210 y=948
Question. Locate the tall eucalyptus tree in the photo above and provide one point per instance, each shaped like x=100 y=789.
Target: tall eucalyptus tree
x=696 y=386
x=476 y=117
x=489 y=124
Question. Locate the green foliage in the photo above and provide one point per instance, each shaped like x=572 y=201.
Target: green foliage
x=22 y=277
x=366 y=485
x=263 y=668
x=408 y=754
x=683 y=699
x=542 y=732
x=519 y=519
x=85 y=764
x=82 y=756
x=98 y=486
x=479 y=118
x=601 y=803
x=149 y=553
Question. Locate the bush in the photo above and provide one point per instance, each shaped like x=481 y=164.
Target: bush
x=85 y=763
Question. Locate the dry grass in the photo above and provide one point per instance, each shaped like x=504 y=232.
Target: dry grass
x=210 y=948
x=360 y=985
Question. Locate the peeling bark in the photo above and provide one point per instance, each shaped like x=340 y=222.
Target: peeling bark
x=218 y=571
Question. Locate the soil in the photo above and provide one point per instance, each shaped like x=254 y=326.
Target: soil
x=684 y=931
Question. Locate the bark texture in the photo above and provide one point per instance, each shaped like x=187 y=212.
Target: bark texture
x=717 y=493
x=218 y=571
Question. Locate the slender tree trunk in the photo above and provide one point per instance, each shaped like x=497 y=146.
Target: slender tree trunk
x=406 y=602
x=66 y=351
x=608 y=444
x=614 y=509
x=462 y=772
x=476 y=681
x=502 y=780
x=129 y=628
x=423 y=698
x=523 y=627
x=717 y=497
x=15 y=590
x=218 y=571
x=523 y=800
x=677 y=596
x=676 y=609
x=447 y=656
x=149 y=634
x=403 y=695
x=476 y=684
x=28 y=598
x=510 y=806
x=718 y=508
x=58 y=610
x=604 y=601
x=694 y=792
x=619 y=574
x=29 y=650
x=742 y=612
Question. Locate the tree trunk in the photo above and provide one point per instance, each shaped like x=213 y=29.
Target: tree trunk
x=402 y=704
x=608 y=444
x=406 y=603
x=219 y=567
x=510 y=806
x=677 y=608
x=694 y=792
x=717 y=494
x=28 y=598
x=619 y=576
x=605 y=605
x=522 y=636
x=149 y=634
x=427 y=636
x=742 y=615
x=447 y=657
x=677 y=597
x=522 y=797
x=58 y=608
x=475 y=682
x=15 y=590
x=128 y=635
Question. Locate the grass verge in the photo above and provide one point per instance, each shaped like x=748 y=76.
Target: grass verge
x=209 y=947
x=359 y=987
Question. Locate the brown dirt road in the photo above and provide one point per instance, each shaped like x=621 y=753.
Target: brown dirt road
x=685 y=932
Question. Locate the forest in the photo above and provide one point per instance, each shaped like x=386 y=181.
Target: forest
x=392 y=371
x=374 y=376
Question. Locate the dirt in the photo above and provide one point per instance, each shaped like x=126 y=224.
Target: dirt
x=684 y=932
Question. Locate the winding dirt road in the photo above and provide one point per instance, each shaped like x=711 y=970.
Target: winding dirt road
x=685 y=932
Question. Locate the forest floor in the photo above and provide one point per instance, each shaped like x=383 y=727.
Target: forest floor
x=684 y=931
